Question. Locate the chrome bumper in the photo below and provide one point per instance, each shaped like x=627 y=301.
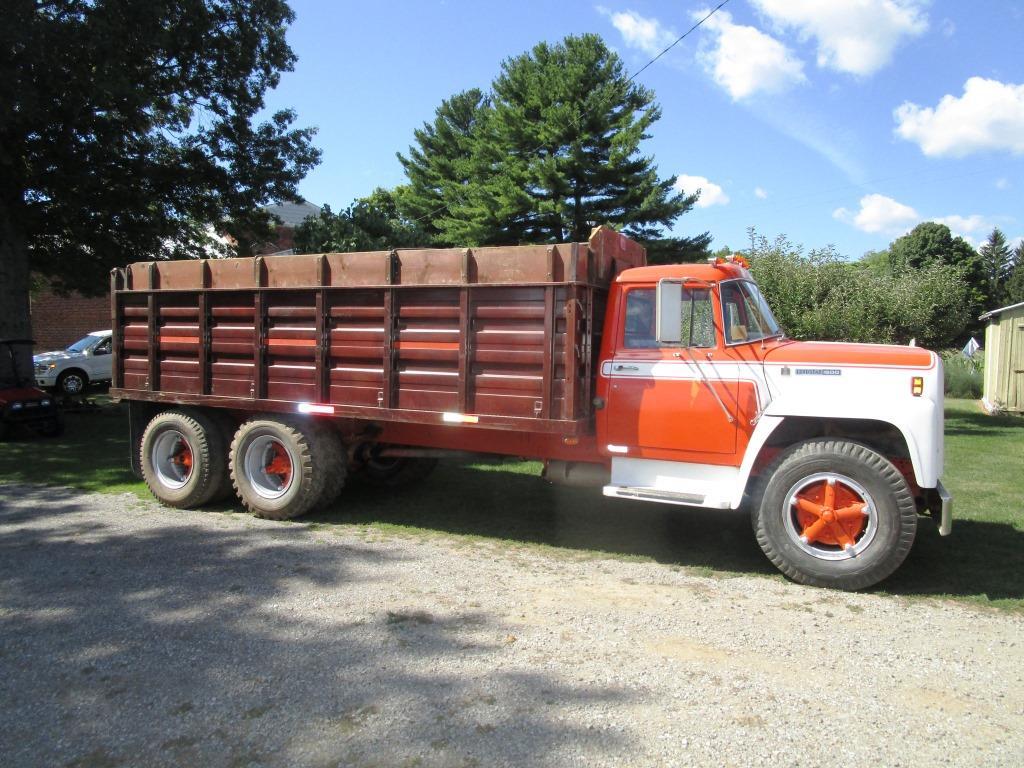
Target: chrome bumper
x=946 y=521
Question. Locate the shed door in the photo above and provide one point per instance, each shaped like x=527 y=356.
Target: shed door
x=1015 y=390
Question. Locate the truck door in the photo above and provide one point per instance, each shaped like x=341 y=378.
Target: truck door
x=666 y=400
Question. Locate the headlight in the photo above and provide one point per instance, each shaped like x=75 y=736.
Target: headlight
x=17 y=406
x=45 y=403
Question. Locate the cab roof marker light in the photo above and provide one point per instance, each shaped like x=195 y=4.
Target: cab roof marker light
x=459 y=418
x=315 y=408
x=618 y=449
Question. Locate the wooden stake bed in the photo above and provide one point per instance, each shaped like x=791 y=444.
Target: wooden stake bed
x=495 y=338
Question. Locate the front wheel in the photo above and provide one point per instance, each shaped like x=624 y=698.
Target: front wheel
x=834 y=513
x=72 y=383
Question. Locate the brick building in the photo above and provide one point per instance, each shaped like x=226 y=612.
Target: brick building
x=58 y=321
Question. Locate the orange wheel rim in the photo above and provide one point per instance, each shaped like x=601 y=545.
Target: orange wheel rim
x=830 y=516
x=280 y=464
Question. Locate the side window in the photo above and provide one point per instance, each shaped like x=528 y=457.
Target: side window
x=697 y=317
x=640 y=319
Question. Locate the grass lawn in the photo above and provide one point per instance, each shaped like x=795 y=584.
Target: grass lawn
x=982 y=562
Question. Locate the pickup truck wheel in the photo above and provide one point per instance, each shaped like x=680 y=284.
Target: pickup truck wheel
x=834 y=513
x=182 y=458
x=72 y=383
x=282 y=468
x=396 y=472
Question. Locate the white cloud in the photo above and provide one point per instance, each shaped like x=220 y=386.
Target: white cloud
x=640 y=32
x=964 y=225
x=948 y=28
x=760 y=193
x=1002 y=183
x=856 y=36
x=879 y=214
x=744 y=60
x=710 y=193
x=989 y=116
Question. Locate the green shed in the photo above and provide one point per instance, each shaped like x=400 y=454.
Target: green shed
x=1004 y=359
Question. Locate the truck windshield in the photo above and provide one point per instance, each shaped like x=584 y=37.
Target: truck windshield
x=82 y=344
x=746 y=313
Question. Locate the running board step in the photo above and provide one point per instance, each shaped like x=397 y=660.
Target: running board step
x=654 y=494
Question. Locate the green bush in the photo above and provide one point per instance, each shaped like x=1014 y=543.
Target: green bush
x=964 y=376
x=820 y=295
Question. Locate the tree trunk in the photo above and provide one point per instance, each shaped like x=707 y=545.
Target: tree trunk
x=15 y=322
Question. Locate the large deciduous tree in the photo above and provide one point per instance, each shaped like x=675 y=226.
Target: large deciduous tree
x=369 y=224
x=128 y=129
x=552 y=151
x=933 y=243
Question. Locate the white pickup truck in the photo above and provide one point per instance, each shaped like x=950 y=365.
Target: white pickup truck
x=70 y=371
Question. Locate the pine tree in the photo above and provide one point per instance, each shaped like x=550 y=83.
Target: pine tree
x=998 y=263
x=553 y=151
x=1014 y=288
x=442 y=162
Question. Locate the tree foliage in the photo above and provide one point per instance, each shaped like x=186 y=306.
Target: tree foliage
x=369 y=224
x=819 y=295
x=1015 y=282
x=127 y=129
x=550 y=152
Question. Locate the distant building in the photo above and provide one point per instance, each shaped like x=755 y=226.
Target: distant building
x=58 y=321
x=291 y=215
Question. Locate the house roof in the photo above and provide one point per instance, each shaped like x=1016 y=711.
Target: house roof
x=999 y=311
x=293 y=214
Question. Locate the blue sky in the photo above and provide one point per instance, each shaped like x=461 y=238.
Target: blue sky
x=843 y=121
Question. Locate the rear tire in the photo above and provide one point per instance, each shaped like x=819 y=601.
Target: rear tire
x=850 y=537
x=182 y=458
x=282 y=469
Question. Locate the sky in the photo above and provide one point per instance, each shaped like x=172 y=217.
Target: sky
x=842 y=122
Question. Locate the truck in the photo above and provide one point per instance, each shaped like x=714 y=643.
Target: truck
x=277 y=378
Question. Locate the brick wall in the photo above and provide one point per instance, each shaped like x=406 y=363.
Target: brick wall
x=59 y=321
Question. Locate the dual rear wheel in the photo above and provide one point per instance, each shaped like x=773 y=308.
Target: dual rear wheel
x=280 y=468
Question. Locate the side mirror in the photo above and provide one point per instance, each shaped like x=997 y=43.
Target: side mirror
x=101 y=351
x=669 y=311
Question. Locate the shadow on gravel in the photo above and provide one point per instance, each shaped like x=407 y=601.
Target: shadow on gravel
x=982 y=559
x=488 y=501
x=181 y=645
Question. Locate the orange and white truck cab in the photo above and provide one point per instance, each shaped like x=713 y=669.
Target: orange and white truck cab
x=704 y=402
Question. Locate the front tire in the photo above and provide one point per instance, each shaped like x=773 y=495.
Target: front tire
x=182 y=458
x=72 y=383
x=282 y=469
x=834 y=513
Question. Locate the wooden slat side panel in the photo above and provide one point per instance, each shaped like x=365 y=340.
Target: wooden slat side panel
x=232 y=340
x=426 y=347
x=355 y=330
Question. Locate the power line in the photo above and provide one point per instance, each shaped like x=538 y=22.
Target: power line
x=679 y=39
x=580 y=116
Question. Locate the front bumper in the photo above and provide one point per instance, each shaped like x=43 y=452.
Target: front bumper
x=47 y=377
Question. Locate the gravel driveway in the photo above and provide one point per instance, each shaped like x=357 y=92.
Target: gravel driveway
x=136 y=635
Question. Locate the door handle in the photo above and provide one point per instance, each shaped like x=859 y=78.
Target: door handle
x=627 y=368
